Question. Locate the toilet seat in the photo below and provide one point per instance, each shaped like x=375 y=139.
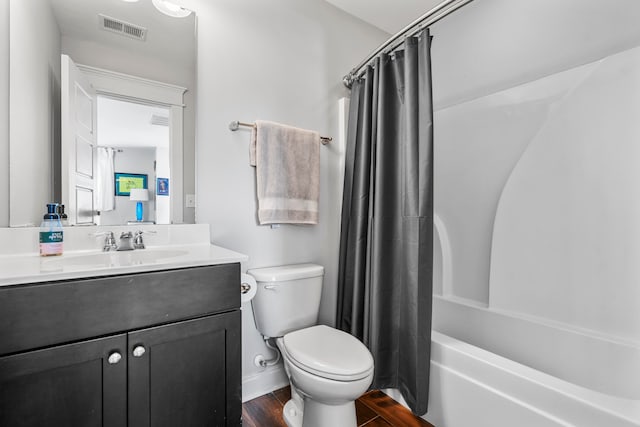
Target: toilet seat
x=328 y=353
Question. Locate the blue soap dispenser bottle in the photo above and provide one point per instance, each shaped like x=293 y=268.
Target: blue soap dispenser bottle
x=51 y=236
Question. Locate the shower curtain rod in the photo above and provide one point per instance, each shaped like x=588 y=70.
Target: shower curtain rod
x=235 y=125
x=116 y=149
x=431 y=17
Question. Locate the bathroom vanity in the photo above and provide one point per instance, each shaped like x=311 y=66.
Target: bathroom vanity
x=151 y=343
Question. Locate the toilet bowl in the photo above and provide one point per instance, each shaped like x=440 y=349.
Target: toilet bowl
x=328 y=369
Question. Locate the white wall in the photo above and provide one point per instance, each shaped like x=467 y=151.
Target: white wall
x=4 y=113
x=137 y=64
x=133 y=160
x=34 y=108
x=281 y=60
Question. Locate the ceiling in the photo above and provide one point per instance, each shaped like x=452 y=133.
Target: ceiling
x=171 y=39
x=128 y=124
x=389 y=16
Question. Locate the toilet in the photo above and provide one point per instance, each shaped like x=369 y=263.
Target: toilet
x=328 y=369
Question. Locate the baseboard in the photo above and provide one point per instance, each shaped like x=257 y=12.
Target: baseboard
x=264 y=382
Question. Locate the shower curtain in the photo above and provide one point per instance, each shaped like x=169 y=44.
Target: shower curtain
x=104 y=179
x=386 y=242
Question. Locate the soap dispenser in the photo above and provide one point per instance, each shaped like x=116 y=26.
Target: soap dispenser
x=64 y=218
x=51 y=232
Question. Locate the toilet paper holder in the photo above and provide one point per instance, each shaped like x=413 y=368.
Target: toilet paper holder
x=245 y=288
x=248 y=287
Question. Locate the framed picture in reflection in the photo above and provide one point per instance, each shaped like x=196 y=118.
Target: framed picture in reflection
x=162 y=186
x=126 y=181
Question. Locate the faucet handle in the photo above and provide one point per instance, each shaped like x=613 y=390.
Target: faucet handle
x=146 y=232
x=138 y=243
x=109 y=240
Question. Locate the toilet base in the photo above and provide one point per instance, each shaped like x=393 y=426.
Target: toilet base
x=320 y=415
x=292 y=414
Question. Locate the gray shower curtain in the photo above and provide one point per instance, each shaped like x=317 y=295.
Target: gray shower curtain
x=386 y=242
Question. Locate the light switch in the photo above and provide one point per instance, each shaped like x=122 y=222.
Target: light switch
x=190 y=201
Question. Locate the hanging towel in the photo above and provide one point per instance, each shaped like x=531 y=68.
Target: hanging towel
x=104 y=179
x=287 y=162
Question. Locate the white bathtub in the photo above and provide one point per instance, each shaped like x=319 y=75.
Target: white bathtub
x=550 y=377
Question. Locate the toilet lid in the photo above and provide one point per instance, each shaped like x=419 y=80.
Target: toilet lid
x=329 y=353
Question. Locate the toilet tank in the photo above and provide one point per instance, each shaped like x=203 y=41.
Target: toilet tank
x=287 y=298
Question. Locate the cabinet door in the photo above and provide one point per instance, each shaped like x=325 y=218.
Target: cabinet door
x=186 y=374
x=75 y=385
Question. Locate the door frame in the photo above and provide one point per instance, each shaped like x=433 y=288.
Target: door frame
x=141 y=90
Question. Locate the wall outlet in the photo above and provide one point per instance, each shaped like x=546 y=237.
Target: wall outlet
x=190 y=201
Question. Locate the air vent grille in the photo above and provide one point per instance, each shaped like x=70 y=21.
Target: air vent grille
x=159 y=120
x=123 y=28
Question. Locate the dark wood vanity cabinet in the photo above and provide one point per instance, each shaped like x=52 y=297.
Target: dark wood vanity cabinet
x=69 y=385
x=187 y=379
x=167 y=355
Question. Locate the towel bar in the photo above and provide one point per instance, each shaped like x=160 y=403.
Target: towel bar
x=235 y=125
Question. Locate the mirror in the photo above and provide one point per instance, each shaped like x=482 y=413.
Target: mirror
x=127 y=39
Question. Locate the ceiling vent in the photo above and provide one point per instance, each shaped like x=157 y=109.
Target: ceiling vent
x=123 y=28
x=159 y=120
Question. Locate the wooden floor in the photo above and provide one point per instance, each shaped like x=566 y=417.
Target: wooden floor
x=373 y=409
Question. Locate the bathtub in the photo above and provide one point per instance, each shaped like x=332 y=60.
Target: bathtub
x=498 y=370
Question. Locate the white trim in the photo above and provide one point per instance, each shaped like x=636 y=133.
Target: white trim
x=128 y=87
x=272 y=378
x=176 y=127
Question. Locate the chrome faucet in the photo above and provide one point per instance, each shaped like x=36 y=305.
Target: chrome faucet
x=109 y=242
x=126 y=243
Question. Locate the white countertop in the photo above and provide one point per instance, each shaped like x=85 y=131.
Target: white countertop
x=20 y=269
x=30 y=267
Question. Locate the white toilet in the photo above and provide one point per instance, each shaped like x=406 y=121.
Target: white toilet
x=328 y=369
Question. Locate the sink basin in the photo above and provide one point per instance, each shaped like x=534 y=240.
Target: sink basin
x=115 y=259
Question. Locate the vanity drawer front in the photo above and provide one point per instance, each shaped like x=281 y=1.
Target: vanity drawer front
x=39 y=315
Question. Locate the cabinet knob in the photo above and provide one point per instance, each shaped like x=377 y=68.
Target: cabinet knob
x=138 y=351
x=114 y=358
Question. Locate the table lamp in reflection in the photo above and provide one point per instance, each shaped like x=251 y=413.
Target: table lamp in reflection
x=139 y=195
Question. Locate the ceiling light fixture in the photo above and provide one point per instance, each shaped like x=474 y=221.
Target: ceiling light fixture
x=131 y=1
x=171 y=9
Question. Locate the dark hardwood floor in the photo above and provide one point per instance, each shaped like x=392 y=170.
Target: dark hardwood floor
x=373 y=409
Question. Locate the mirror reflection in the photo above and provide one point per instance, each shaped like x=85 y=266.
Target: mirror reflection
x=133 y=139
x=127 y=134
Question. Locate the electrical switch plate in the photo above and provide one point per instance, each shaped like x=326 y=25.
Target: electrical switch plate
x=190 y=201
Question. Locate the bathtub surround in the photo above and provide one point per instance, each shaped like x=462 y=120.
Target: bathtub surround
x=516 y=134
x=385 y=275
x=586 y=147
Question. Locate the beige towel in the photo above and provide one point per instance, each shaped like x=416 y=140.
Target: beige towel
x=287 y=162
